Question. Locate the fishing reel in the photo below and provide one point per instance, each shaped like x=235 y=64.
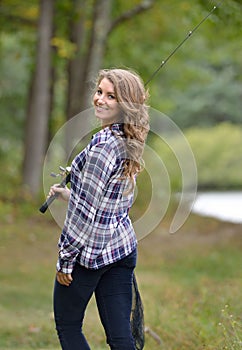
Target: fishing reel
x=63 y=172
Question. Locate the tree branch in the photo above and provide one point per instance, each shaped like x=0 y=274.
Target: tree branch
x=12 y=18
x=143 y=6
x=20 y=20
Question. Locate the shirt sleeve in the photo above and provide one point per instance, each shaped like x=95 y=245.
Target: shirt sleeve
x=89 y=185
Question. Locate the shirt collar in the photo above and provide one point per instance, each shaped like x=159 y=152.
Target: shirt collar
x=118 y=128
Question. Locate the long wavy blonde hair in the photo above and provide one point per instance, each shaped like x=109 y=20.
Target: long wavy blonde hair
x=132 y=96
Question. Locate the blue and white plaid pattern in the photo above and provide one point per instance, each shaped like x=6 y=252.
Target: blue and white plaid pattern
x=97 y=229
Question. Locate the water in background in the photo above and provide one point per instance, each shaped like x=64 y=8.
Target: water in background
x=226 y=206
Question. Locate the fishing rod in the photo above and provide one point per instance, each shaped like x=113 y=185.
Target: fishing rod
x=66 y=171
x=182 y=42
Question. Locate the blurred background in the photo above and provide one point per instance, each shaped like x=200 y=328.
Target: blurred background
x=51 y=51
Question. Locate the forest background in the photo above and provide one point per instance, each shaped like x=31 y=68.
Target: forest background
x=50 y=54
x=52 y=50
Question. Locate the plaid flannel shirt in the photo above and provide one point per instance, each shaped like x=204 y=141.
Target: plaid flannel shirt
x=97 y=229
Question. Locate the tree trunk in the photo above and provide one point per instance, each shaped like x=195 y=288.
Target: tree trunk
x=77 y=65
x=90 y=51
x=39 y=102
x=97 y=45
x=84 y=67
x=91 y=48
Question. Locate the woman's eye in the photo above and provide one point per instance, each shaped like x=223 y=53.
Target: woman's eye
x=111 y=97
x=99 y=92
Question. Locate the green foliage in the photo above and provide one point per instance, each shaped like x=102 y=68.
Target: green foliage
x=15 y=68
x=203 y=72
x=199 y=86
x=219 y=101
x=18 y=16
x=217 y=151
x=218 y=155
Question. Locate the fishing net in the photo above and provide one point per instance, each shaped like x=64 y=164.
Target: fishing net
x=137 y=317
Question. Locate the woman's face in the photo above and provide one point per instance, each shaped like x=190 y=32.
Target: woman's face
x=105 y=103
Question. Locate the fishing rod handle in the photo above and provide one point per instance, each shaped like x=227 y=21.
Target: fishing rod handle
x=46 y=204
x=51 y=199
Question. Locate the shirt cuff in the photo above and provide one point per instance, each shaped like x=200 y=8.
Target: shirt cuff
x=65 y=266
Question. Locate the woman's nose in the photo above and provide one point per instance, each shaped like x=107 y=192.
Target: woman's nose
x=101 y=99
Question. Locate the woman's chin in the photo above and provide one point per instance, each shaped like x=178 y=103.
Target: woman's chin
x=105 y=120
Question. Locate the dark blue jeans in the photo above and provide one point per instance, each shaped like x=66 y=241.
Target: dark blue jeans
x=112 y=286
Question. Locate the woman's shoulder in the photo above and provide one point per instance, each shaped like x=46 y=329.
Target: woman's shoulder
x=111 y=139
x=110 y=136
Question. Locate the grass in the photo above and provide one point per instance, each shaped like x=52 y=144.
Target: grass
x=190 y=283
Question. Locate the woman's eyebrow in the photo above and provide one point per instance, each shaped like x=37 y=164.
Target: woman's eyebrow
x=108 y=92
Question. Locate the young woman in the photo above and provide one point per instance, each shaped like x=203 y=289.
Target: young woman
x=97 y=247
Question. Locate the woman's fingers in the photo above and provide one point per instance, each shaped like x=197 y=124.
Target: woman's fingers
x=64 y=192
x=64 y=278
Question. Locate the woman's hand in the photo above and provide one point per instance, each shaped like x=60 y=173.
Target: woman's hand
x=64 y=278
x=64 y=192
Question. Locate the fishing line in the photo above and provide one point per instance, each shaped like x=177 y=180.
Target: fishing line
x=182 y=42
